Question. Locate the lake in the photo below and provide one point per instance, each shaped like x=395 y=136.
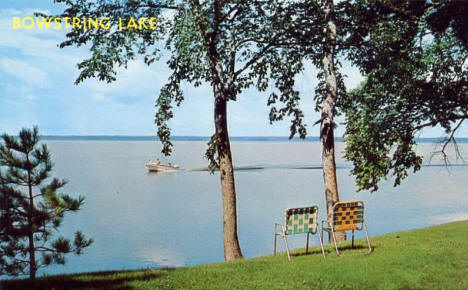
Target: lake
x=146 y=220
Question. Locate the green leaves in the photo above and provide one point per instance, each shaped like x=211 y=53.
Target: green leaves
x=237 y=44
x=111 y=48
x=212 y=153
x=412 y=54
x=284 y=66
x=449 y=15
x=31 y=207
x=414 y=79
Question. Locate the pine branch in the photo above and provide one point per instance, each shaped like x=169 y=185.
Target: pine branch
x=44 y=249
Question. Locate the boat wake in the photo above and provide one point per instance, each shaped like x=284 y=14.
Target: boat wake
x=294 y=167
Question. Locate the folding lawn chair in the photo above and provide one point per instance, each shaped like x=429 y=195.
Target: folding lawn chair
x=299 y=221
x=347 y=216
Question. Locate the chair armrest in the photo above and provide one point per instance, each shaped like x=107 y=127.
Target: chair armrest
x=276 y=226
x=328 y=227
x=283 y=228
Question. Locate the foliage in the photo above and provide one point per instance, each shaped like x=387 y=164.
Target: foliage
x=430 y=258
x=230 y=44
x=413 y=55
x=32 y=207
x=306 y=41
x=236 y=43
x=415 y=78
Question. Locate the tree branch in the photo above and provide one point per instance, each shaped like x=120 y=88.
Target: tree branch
x=161 y=6
x=255 y=58
x=234 y=8
x=44 y=249
x=435 y=122
x=446 y=141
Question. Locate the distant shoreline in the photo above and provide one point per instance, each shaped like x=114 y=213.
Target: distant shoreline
x=206 y=138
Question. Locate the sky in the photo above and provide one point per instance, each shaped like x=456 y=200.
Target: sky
x=37 y=88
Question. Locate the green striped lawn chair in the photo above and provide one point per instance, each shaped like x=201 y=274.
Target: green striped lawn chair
x=347 y=216
x=301 y=220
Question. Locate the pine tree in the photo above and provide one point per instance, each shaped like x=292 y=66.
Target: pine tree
x=32 y=208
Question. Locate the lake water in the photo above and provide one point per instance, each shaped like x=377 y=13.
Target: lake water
x=145 y=220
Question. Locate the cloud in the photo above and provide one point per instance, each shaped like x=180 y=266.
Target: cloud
x=25 y=72
x=41 y=43
x=40 y=47
x=40 y=76
x=136 y=81
x=100 y=97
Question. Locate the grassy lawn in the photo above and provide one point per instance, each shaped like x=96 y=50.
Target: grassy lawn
x=430 y=258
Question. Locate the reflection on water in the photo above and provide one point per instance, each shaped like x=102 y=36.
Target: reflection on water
x=140 y=219
x=160 y=257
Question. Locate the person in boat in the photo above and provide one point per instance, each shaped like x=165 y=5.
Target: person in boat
x=158 y=161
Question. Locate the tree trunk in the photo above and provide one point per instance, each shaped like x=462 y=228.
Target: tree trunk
x=328 y=111
x=31 y=249
x=232 y=250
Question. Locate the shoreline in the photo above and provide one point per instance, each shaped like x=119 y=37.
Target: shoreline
x=406 y=256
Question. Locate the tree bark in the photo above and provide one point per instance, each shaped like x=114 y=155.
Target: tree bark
x=31 y=248
x=328 y=112
x=232 y=250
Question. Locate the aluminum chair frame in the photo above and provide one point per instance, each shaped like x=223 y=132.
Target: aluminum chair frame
x=283 y=232
x=358 y=219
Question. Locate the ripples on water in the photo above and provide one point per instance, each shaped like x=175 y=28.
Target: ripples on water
x=144 y=220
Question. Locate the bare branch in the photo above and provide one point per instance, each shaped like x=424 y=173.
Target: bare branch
x=446 y=142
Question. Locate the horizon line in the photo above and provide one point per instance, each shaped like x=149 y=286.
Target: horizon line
x=248 y=136
x=204 y=138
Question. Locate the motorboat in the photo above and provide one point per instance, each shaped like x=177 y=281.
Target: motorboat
x=157 y=166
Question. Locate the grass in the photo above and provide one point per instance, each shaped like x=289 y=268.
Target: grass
x=430 y=258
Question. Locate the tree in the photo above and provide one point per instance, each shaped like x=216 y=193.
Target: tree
x=414 y=57
x=232 y=45
x=415 y=65
x=395 y=44
x=327 y=124
x=314 y=37
x=31 y=207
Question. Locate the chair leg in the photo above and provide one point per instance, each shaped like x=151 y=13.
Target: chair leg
x=367 y=237
x=321 y=236
x=285 y=239
x=321 y=242
x=334 y=240
x=307 y=243
x=276 y=235
x=352 y=241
